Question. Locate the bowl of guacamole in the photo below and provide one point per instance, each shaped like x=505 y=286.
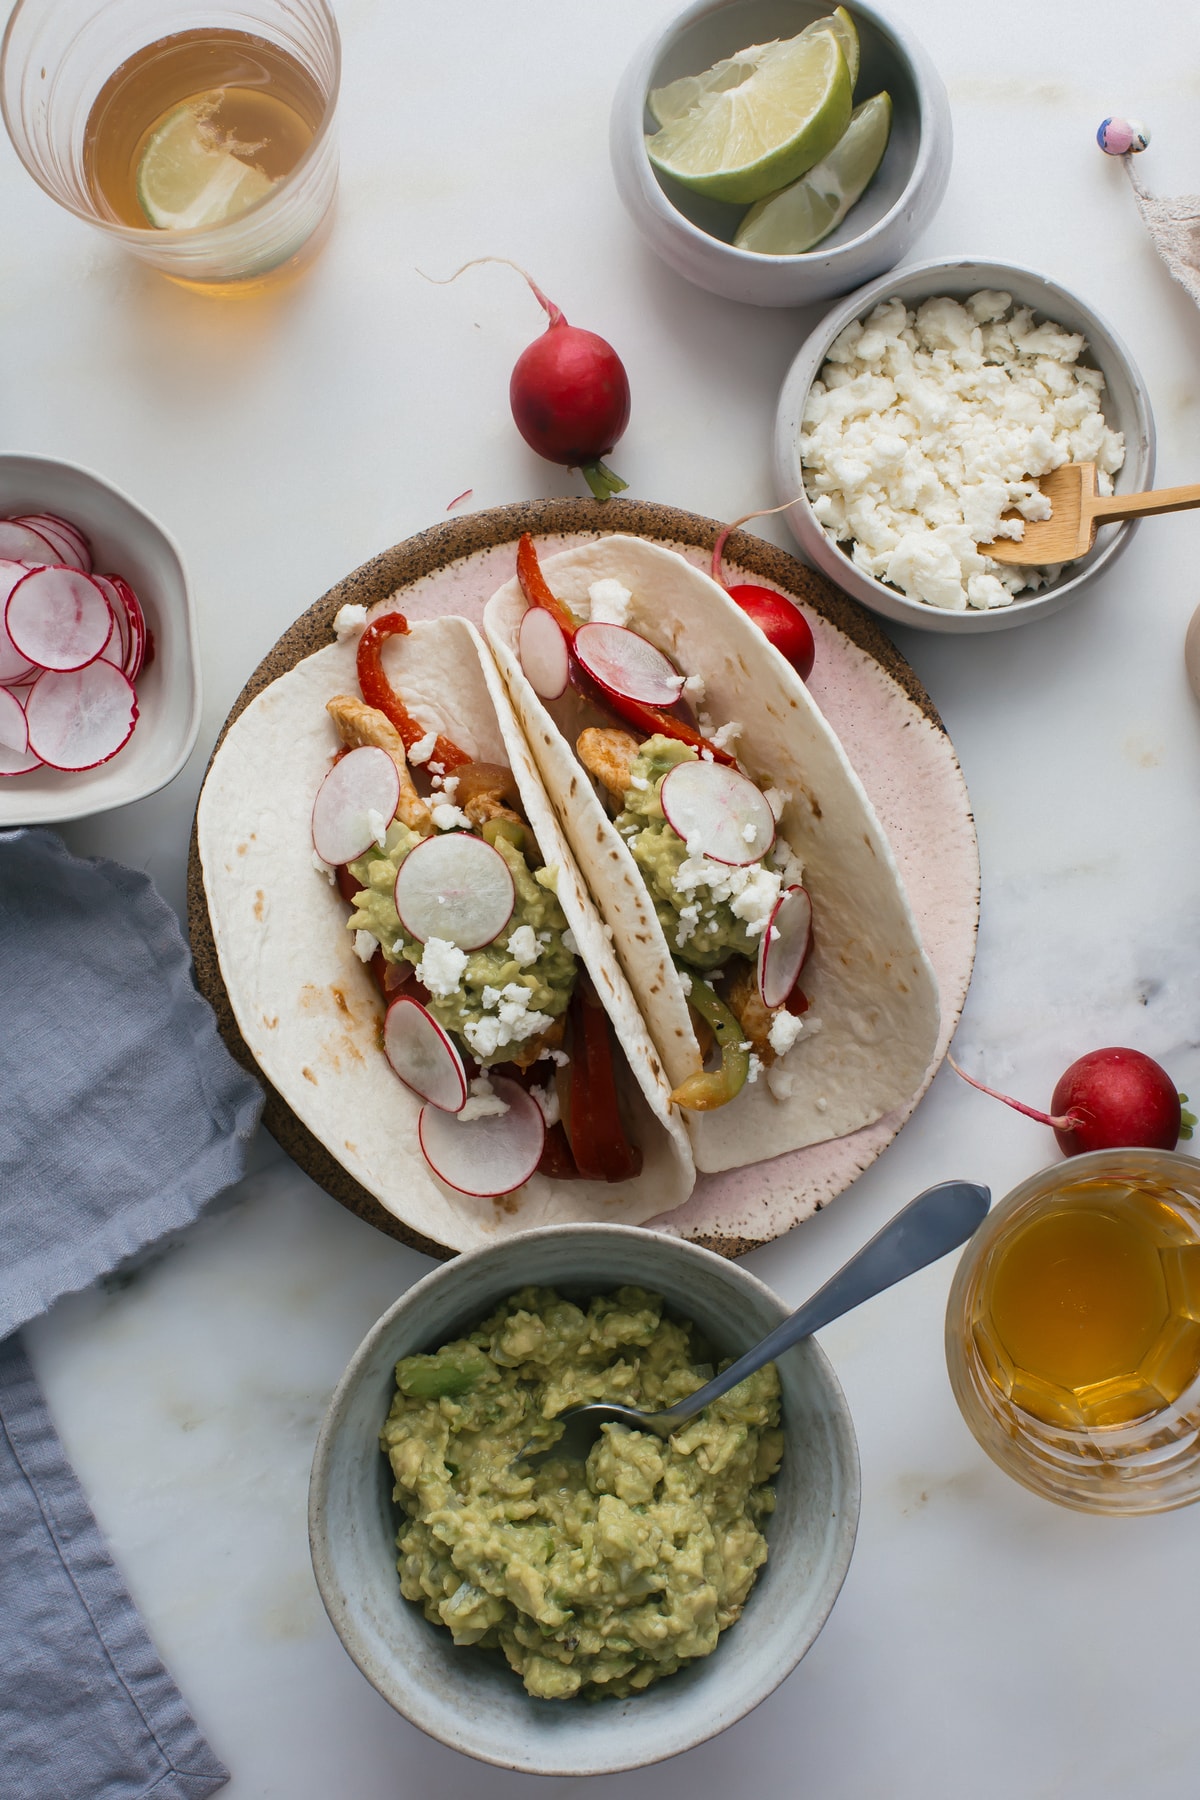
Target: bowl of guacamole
x=565 y=1619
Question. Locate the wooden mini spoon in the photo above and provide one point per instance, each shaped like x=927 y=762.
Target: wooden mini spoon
x=1075 y=511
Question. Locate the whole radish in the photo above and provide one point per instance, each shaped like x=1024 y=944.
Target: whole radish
x=569 y=393
x=1111 y=1099
x=780 y=621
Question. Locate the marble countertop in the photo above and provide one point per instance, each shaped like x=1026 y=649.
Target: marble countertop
x=985 y=1641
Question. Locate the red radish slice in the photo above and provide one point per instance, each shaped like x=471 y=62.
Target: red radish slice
x=21 y=543
x=785 y=946
x=487 y=1156
x=78 y=718
x=423 y=1055
x=13 y=666
x=60 y=531
x=14 y=732
x=719 y=810
x=455 y=887
x=58 y=618
x=543 y=652
x=626 y=663
x=135 y=624
x=355 y=804
x=13 y=764
x=122 y=635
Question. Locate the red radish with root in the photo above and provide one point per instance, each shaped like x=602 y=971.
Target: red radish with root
x=780 y=621
x=569 y=393
x=1111 y=1099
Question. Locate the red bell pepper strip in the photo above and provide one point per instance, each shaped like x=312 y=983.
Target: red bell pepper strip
x=556 y=1159
x=378 y=691
x=601 y=1149
x=649 y=720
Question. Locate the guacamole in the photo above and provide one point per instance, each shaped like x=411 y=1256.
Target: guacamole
x=504 y=992
x=595 y=1579
x=699 y=922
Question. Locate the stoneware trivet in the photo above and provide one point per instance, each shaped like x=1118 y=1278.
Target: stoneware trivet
x=891 y=732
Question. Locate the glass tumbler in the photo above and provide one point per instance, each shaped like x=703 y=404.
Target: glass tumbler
x=56 y=57
x=1113 y=1436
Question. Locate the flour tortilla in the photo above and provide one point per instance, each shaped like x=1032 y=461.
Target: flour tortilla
x=308 y=1008
x=868 y=981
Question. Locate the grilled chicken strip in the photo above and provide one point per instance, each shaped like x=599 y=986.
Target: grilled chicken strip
x=745 y=1002
x=608 y=755
x=483 y=793
x=357 y=724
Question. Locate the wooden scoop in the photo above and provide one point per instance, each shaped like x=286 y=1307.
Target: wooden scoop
x=1075 y=511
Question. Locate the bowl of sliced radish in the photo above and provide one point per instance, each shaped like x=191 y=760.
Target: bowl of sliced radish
x=99 y=669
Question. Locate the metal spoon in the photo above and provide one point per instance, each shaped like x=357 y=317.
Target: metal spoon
x=937 y=1221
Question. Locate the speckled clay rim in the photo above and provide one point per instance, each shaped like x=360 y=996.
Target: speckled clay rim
x=405 y=563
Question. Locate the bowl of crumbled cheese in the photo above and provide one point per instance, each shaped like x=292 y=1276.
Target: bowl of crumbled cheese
x=920 y=414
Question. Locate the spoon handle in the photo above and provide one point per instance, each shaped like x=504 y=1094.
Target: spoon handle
x=1156 y=500
x=937 y=1221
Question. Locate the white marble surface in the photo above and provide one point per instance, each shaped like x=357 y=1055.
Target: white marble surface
x=985 y=1642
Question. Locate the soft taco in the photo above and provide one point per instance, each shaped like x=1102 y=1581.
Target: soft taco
x=480 y=1063
x=755 y=902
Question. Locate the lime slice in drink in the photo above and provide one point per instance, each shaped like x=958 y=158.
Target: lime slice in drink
x=746 y=141
x=669 y=103
x=188 y=178
x=790 y=222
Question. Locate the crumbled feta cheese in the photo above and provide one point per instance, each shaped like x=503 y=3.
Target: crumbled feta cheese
x=749 y=832
x=482 y=1102
x=609 y=602
x=694 y=689
x=781 y=1081
x=570 y=941
x=754 y=1071
x=377 y=826
x=785 y=1029
x=925 y=428
x=348 y=621
x=422 y=750
x=689 y=918
x=325 y=869
x=449 y=818
x=365 y=945
x=559 y=1058
x=441 y=966
x=639 y=782
x=751 y=890
x=726 y=735
x=523 y=946
x=547 y=1099
x=512 y=1022
x=449 y=786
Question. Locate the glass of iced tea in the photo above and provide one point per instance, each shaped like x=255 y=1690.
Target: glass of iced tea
x=1073 y=1332
x=200 y=136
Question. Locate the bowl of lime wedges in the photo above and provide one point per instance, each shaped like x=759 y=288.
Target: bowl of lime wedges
x=775 y=152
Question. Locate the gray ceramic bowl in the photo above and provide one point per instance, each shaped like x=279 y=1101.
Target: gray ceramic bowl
x=126 y=541
x=470 y=1699
x=1126 y=407
x=694 y=235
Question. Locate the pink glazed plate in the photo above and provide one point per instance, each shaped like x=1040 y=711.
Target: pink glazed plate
x=888 y=726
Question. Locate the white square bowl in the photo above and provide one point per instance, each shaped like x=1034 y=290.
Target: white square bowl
x=128 y=542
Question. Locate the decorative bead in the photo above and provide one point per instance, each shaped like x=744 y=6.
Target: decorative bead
x=1120 y=137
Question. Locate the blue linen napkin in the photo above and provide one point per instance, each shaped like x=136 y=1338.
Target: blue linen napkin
x=121 y=1115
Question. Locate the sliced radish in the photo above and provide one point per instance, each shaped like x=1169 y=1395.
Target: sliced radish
x=73 y=549
x=785 y=946
x=120 y=644
x=14 y=730
x=719 y=810
x=626 y=663
x=487 y=1156
x=13 y=666
x=135 y=622
x=12 y=763
x=355 y=803
x=455 y=887
x=58 y=618
x=21 y=543
x=423 y=1055
x=543 y=652
x=78 y=718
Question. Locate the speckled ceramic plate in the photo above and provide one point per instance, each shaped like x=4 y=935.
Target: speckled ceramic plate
x=891 y=732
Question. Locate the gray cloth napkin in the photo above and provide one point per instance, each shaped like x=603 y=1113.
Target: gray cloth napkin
x=121 y=1115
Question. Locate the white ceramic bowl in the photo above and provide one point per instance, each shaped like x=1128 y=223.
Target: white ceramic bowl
x=1126 y=406
x=470 y=1699
x=694 y=234
x=126 y=541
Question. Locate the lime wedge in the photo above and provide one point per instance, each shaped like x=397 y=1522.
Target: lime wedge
x=187 y=178
x=790 y=222
x=748 y=140
x=678 y=97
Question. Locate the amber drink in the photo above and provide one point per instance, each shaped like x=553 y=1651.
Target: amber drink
x=1073 y=1332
